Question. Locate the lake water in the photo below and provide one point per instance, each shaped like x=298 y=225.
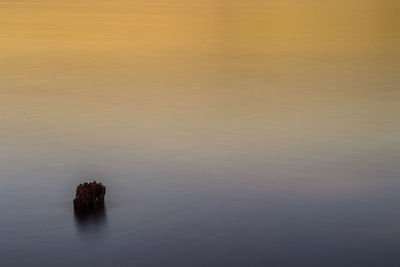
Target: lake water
x=228 y=133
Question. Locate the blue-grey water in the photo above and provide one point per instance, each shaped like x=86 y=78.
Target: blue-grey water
x=259 y=133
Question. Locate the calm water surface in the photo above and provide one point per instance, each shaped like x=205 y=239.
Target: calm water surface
x=228 y=133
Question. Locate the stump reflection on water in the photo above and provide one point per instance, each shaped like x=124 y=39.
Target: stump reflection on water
x=88 y=219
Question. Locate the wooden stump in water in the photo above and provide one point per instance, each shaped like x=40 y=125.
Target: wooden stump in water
x=89 y=197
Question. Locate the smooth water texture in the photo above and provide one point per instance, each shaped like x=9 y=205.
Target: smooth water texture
x=228 y=133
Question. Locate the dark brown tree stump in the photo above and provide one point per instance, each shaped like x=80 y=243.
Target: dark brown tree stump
x=89 y=197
